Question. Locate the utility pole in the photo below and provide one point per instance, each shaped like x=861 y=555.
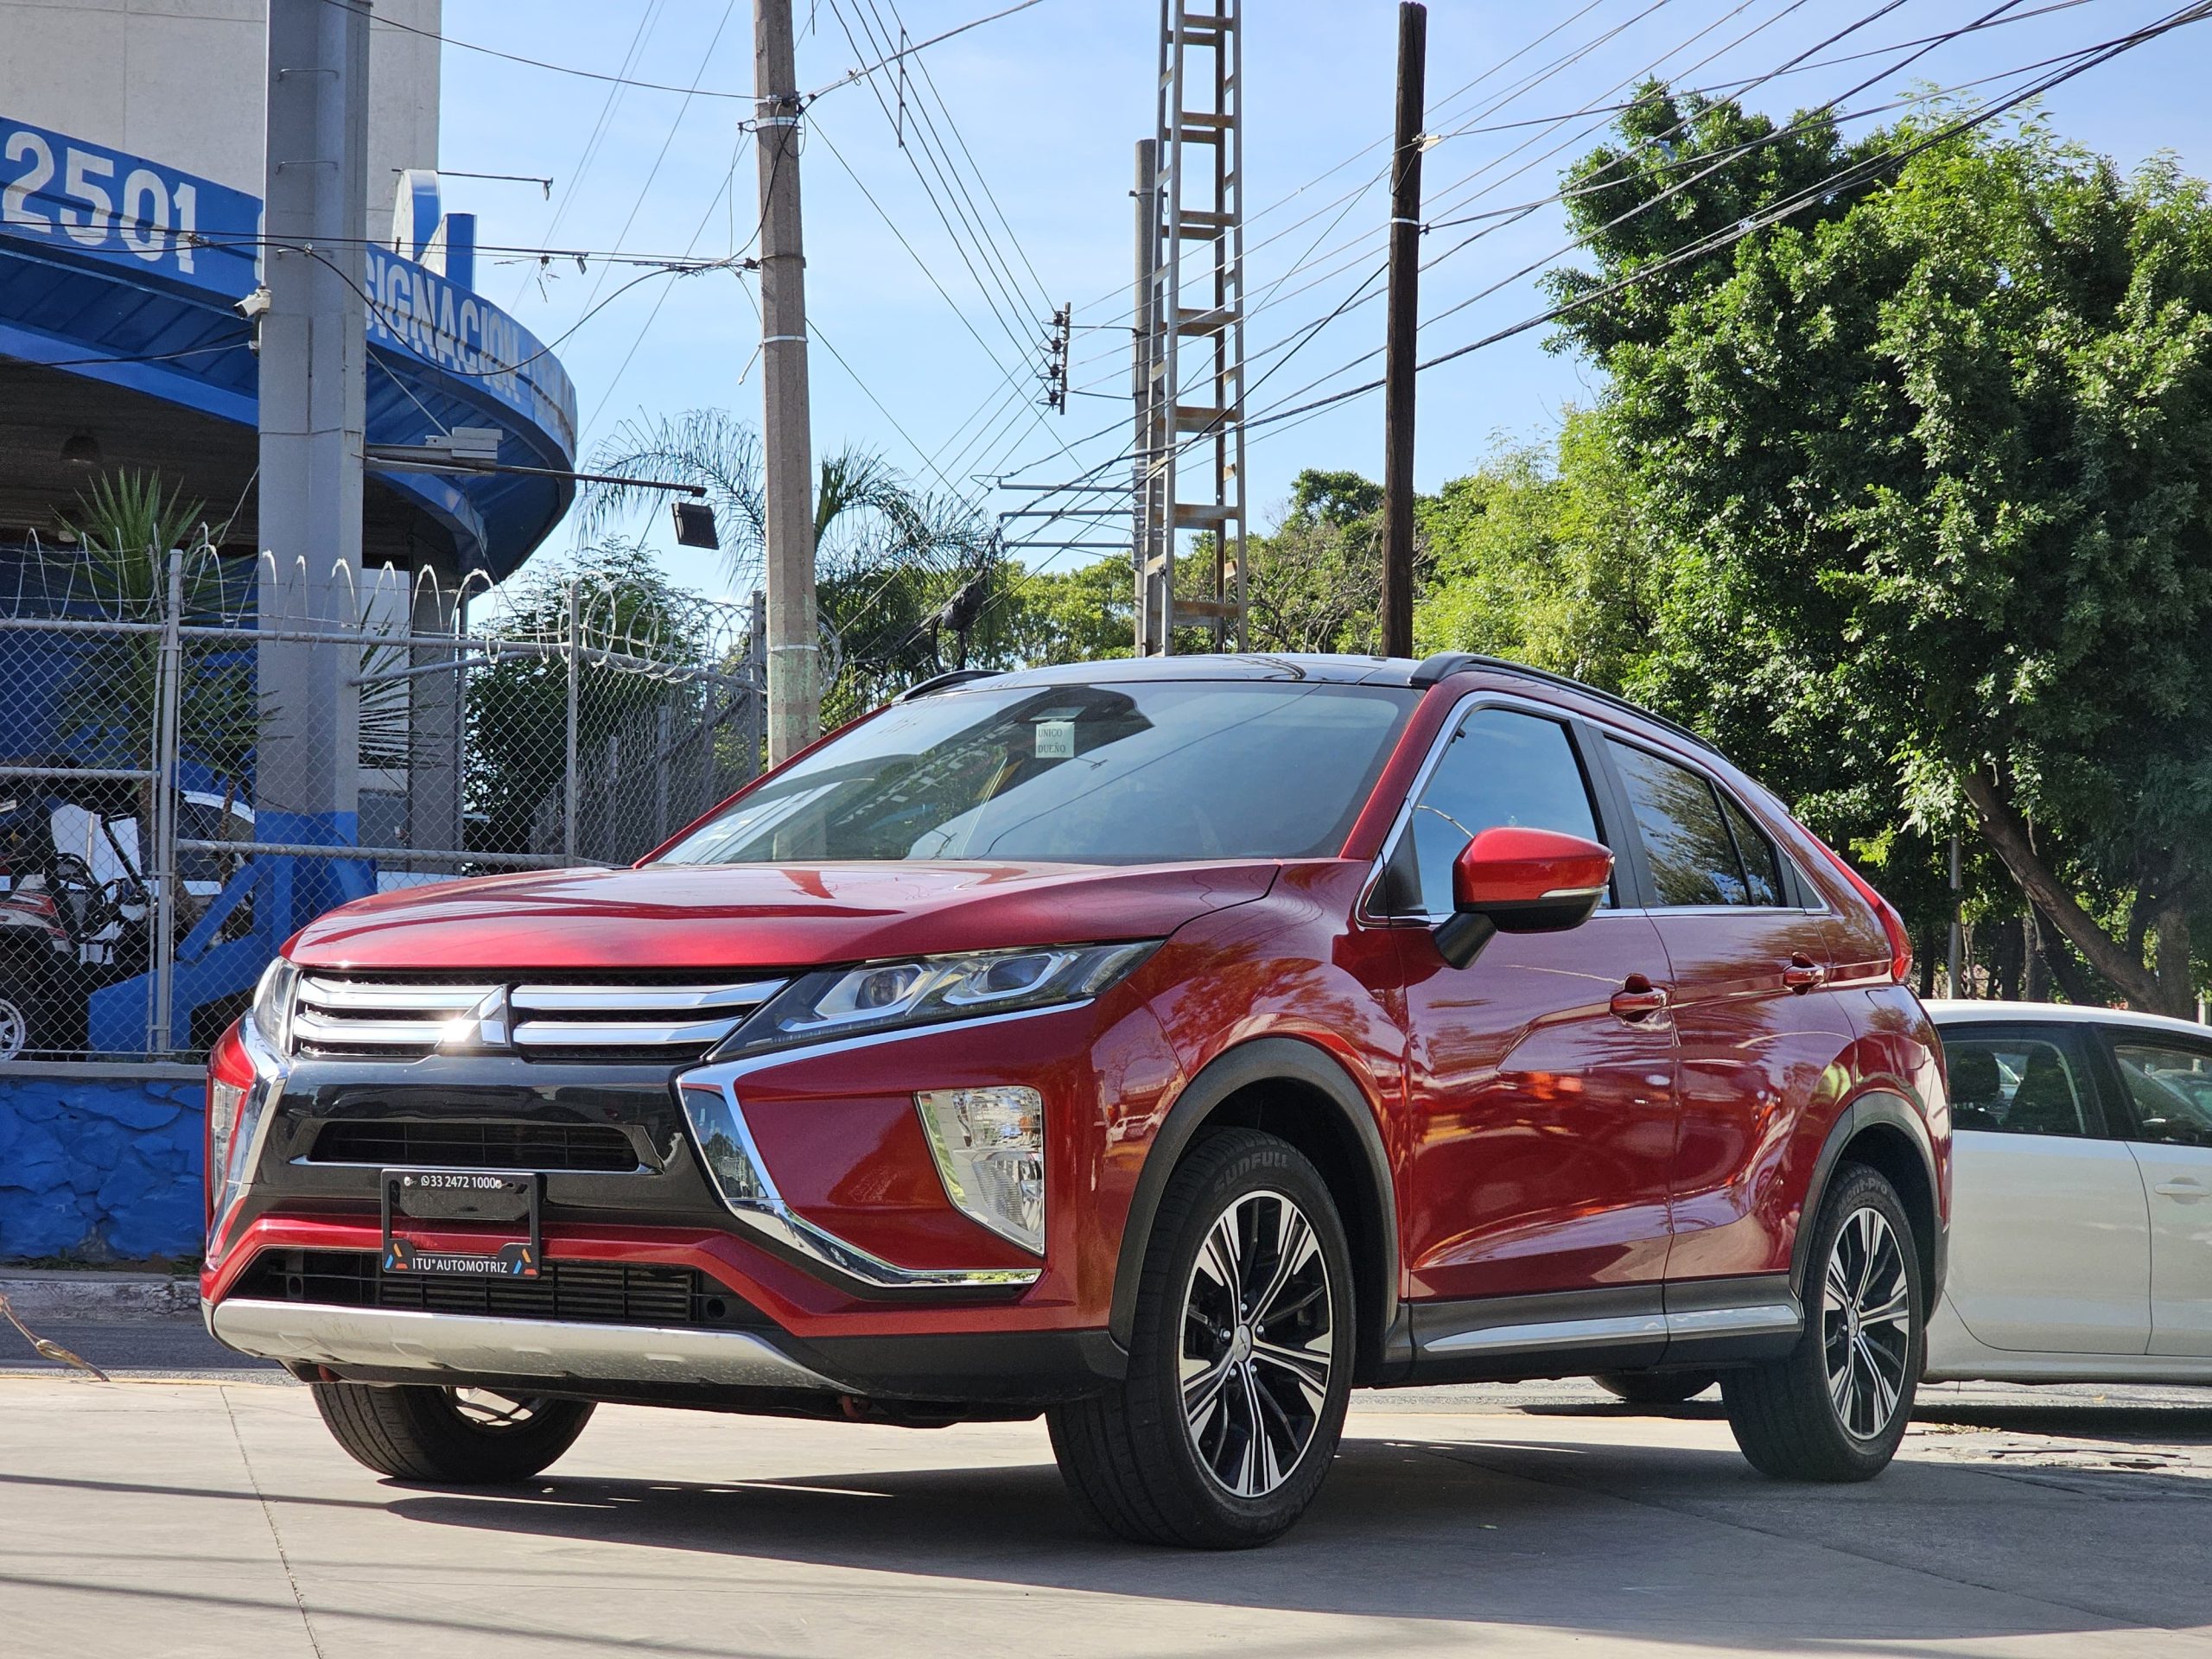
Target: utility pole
x=314 y=370
x=794 y=634
x=1402 y=342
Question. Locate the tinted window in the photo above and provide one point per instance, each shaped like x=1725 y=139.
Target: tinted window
x=1693 y=859
x=1128 y=773
x=2170 y=1088
x=1500 y=767
x=1762 y=870
x=2014 y=1085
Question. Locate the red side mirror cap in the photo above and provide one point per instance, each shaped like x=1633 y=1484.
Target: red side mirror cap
x=1530 y=880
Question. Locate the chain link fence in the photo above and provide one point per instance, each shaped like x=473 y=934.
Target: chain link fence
x=199 y=754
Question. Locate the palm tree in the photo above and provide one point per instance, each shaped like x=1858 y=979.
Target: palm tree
x=895 y=564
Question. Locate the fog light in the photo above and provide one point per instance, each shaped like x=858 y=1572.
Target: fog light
x=989 y=1146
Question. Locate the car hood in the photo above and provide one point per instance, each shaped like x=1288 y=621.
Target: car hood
x=761 y=915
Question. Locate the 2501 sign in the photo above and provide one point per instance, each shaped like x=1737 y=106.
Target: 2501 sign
x=78 y=192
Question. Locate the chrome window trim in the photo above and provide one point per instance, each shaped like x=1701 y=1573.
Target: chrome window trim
x=1363 y=911
x=766 y=1212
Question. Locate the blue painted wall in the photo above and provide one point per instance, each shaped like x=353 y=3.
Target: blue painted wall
x=99 y=1166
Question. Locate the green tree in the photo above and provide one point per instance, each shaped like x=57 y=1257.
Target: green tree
x=1547 y=559
x=1933 y=471
x=518 y=711
x=896 y=567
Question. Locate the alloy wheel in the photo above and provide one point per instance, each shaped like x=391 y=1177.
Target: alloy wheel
x=1256 y=1345
x=14 y=1030
x=1866 y=1322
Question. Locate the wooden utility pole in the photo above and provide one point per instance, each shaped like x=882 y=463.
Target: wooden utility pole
x=1402 y=343
x=794 y=636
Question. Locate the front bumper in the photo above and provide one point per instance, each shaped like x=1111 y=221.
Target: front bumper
x=847 y=1272
x=384 y=1340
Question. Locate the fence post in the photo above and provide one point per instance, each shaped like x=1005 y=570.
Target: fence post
x=162 y=865
x=756 y=663
x=568 y=794
x=662 y=760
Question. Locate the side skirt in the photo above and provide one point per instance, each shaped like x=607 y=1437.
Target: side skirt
x=1617 y=1328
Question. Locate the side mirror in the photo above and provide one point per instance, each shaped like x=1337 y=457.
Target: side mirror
x=1510 y=880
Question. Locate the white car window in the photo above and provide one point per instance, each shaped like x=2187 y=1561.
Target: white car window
x=2014 y=1085
x=2171 y=1090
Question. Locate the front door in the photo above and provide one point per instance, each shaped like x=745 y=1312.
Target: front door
x=2050 y=1240
x=1542 y=1074
x=2169 y=1084
x=1763 y=1045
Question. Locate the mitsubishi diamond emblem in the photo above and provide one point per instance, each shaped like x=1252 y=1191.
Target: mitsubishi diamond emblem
x=484 y=1025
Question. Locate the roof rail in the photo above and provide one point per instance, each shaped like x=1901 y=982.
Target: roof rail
x=945 y=682
x=1444 y=663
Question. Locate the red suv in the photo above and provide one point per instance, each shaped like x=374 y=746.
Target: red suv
x=1166 y=1047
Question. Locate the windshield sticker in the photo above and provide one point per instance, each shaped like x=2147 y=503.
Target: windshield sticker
x=1056 y=740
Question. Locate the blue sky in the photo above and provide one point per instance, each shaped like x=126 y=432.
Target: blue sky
x=1048 y=104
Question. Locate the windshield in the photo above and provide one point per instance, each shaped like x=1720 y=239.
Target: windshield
x=1090 y=774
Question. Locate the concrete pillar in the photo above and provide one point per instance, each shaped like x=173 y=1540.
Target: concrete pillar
x=313 y=374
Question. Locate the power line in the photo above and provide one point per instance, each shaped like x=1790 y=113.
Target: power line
x=852 y=75
x=946 y=215
x=2091 y=57
x=601 y=76
x=2080 y=61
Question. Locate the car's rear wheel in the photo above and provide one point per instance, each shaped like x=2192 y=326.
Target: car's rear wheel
x=1656 y=1387
x=1240 y=1360
x=449 y=1437
x=1837 y=1406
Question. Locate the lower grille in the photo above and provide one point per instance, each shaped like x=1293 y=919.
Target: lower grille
x=581 y=1292
x=391 y=1143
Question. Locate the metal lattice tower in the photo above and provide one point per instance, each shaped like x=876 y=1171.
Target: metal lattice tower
x=1190 y=370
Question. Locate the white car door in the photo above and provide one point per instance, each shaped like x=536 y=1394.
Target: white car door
x=2168 y=1084
x=2051 y=1233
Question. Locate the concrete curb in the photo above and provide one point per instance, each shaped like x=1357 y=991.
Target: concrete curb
x=92 y=1297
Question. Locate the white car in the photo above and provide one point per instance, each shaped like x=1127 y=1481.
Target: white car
x=2081 y=1247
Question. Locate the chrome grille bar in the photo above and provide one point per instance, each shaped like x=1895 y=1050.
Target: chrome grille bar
x=399 y=1020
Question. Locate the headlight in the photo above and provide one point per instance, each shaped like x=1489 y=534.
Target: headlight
x=271 y=1013
x=989 y=1146
x=884 y=995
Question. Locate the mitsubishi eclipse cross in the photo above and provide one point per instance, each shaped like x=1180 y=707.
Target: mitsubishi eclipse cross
x=1164 y=1048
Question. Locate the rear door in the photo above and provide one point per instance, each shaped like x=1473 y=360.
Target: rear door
x=1759 y=1041
x=2050 y=1236
x=2168 y=1083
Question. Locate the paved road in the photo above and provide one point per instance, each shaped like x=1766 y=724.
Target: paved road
x=174 y=1517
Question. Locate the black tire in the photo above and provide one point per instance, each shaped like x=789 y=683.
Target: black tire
x=1656 y=1387
x=1788 y=1417
x=1131 y=1456
x=432 y=1435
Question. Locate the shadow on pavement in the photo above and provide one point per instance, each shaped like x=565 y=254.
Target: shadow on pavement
x=1548 y=1536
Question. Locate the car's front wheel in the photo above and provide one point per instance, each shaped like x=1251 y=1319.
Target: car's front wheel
x=1837 y=1406
x=449 y=1437
x=1240 y=1360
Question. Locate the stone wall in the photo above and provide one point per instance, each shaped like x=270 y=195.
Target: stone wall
x=99 y=1162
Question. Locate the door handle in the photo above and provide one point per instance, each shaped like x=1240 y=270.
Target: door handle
x=2184 y=1186
x=1639 y=999
x=1801 y=973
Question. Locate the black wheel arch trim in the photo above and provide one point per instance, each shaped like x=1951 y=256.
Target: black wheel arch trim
x=1867 y=1111
x=1256 y=1063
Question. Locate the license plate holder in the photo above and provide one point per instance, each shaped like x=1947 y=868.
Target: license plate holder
x=466 y=1195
